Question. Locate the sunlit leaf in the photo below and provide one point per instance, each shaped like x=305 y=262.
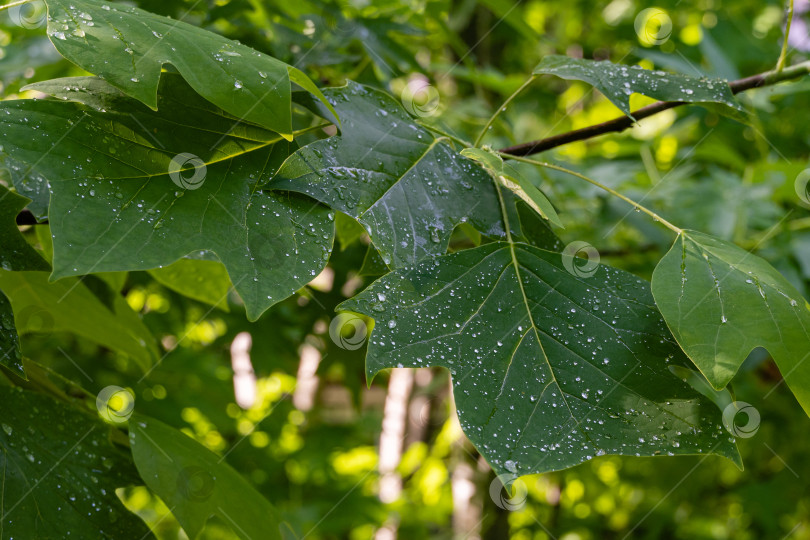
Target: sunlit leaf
x=515 y=182
x=69 y=305
x=197 y=484
x=721 y=302
x=206 y=281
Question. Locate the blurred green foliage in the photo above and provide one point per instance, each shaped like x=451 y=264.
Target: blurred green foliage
x=319 y=465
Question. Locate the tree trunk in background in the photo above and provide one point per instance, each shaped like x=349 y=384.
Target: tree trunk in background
x=467 y=475
x=395 y=416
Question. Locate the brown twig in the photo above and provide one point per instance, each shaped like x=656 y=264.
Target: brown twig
x=620 y=124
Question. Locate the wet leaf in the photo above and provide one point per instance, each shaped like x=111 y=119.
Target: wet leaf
x=128 y=47
x=60 y=472
x=721 y=302
x=15 y=252
x=617 y=82
x=10 y=355
x=549 y=368
x=168 y=186
x=407 y=187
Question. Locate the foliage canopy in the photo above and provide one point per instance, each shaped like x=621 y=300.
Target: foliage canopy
x=181 y=184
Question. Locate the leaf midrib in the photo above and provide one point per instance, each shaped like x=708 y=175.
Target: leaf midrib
x=516 y=265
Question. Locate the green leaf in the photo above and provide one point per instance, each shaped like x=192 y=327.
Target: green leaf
x=533 y=197
x=347 y=230
x=15 y=252
x=373 y=265
x=510 y=178
x=60 y=473
x=10 y=355
x=549 y=368
x=721 y=302
x=721 y=398
x=115 y=280
x=408 y=188
x=206 y=281
x=534 y=230
x=617 y=82
x=128 y=47
x=197 y=484
x=153 y=187
x=69 y=305
x=380 y=36
x=505 y=11
x=488 y=160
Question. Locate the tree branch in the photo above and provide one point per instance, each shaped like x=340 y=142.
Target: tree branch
x=620 y=124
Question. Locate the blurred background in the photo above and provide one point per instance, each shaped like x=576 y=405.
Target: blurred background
x=347 y=460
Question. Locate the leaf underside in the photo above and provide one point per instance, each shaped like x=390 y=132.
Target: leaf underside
x=202 y=280
x=71 y=306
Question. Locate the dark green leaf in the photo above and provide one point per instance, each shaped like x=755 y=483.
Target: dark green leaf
x=407 y=187
x=15 y=252
x=721 y=302
x=10 y=355
x=549 y=368
x=60 y=473
x=506 y=12
x=534 y=229
x=379 y=36
x=128 y=47
x=617 y=82
x=347 y=230
x=197 y=484
x=153 y=181
x=373 y=265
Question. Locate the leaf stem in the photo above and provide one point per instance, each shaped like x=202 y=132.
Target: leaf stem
x=656 y=217
x=14 y=4
x=311 y=128
x=780 y=65
x=502 y=108
x=798 y=224
x=504 y=213
x=459 y=140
